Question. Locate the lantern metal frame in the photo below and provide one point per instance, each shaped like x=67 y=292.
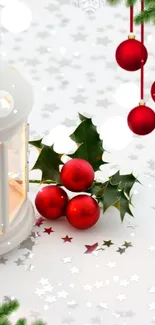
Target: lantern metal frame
x=14 y=232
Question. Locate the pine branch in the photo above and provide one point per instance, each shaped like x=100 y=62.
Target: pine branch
x=4 y=321
x=8 y=308
x=149 y=3
x=130 y=3
x=146 y=16
x=21 y=322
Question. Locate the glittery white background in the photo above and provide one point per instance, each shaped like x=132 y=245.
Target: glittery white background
x=68 y=56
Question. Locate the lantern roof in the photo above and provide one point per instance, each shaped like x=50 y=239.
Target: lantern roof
x=16 y=100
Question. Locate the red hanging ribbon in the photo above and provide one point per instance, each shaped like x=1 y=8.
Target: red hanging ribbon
x=142 y=63
x=131 y=19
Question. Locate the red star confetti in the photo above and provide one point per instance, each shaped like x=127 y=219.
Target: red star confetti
x=48 y=230
x=91 y=248
x=67 y=239
x=39 y=222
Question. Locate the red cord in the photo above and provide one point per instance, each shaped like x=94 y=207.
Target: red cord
x=142 y=64
x=131 y=19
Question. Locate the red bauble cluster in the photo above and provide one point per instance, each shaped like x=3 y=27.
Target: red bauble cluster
x=141 y=120
x=153 y=91
x=131 y=54
x=77 y=175
x=51 y=202
x=82 y=211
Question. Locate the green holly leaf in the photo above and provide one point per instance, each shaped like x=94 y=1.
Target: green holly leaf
x=111 y=196
x=97 y=189
x=124 y=182
x=48 y=162
x=89 y=144
x=37 y=144
x=124 y=206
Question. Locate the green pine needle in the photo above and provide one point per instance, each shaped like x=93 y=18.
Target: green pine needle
x=145 y=16
x=7 y=308
x=130 y=3
x=4 y=321
x=149 y=3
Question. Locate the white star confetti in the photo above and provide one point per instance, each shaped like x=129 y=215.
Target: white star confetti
x=67 y=260
x=87 y=287
x=121 y=297
x=103 y=305
x=62 y=294
x=98 y=284
x=134 y=277
x=48 y=288
x=111 y=265
x=40 y=292
x=124 y=283
x=116 y=315
x=50 y=299
x=29 y=267
x=71 y=303
x=74 y=270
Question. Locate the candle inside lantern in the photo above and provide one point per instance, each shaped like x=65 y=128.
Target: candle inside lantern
x=17 y=172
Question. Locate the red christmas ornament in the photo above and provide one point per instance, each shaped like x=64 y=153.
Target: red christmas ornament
x=130 y=54
x=51 y=202
x=82 y=211
x=141 y=120
x=77 y=175
x=153 y=91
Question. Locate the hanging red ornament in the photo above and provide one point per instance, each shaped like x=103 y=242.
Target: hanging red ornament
x=131 y=54
x=153 y=91
x=141 y=120
x=82 y=211
x=77 y=175
x=51 y=202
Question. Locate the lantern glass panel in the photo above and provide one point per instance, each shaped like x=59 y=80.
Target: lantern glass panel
x=17 y=175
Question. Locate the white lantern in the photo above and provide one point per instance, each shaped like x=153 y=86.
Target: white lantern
x=16 y=211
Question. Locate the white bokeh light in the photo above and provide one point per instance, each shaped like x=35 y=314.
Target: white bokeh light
x=16 y=17
x=127 y=95
x=59 y=136
x=115 y=133
x=6 y=103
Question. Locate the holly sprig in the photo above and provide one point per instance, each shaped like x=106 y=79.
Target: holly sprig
x=116 y=191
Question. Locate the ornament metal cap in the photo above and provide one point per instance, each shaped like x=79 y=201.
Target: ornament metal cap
x=141 y=103
x=131 y=36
